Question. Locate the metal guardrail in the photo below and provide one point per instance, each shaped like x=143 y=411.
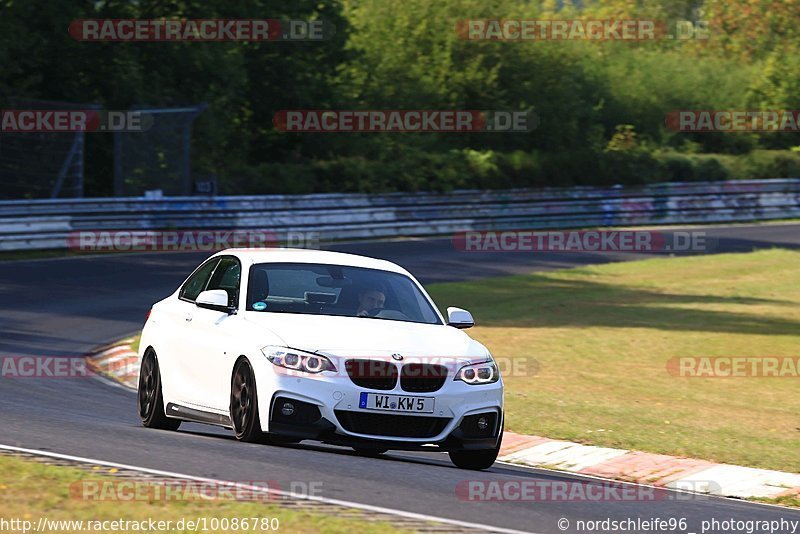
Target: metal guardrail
x=45 y=224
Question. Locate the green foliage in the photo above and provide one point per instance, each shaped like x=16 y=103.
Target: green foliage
x=601 y=105
x=772 y=164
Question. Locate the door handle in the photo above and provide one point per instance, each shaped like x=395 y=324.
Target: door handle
x=188 y=317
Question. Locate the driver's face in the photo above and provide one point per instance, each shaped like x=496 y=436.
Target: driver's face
x=370 y=300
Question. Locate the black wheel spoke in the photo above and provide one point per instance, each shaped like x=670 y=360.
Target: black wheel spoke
x=147 y=387
x=150 y=400
x=240 y=401
x=243 y=408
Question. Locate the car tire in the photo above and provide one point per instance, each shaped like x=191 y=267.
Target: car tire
x=150 y=397
x=476 y=460
x=244 y=404
x=371 y=453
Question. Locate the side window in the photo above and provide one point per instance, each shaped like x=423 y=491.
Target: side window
x=198 y=281
x=226 y=276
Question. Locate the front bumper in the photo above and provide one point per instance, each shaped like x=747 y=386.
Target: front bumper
x=462 y=437
x=326 y=406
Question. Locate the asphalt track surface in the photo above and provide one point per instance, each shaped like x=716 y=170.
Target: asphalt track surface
x=68 y=306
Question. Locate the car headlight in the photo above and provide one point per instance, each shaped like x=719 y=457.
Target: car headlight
x=479 y=373
x=298 y=360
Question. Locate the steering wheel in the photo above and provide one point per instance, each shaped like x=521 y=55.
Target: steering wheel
x=384 y=313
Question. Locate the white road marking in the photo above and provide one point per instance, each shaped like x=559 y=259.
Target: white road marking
x=325 y=500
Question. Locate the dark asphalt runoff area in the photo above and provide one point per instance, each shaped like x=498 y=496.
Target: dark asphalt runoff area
x=68 y=306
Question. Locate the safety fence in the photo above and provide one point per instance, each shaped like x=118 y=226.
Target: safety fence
x=46 y=224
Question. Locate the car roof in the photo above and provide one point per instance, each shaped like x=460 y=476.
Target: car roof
x=302 y=255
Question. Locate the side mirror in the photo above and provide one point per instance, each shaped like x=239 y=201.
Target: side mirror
x=213 y=299
x=458 y=318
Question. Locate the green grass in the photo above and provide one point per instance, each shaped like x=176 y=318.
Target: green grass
x=787 y=500
x=135 y=343
x=591 y=347
x=31 y=490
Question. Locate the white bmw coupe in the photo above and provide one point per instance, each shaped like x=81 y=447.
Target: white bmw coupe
x=283 y=345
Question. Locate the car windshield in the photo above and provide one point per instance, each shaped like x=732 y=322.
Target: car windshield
x=319 y=289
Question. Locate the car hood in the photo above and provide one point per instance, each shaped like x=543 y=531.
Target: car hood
x=362 y=337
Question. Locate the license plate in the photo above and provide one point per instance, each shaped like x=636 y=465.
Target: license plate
x=396 y=403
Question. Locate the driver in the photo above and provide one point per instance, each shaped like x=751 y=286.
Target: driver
x=370 y=300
